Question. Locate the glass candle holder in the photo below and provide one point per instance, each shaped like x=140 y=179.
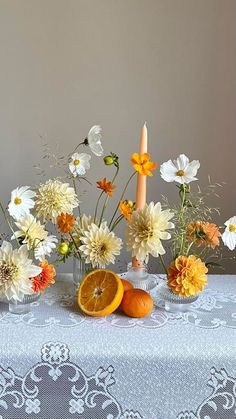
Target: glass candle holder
x=140 y=277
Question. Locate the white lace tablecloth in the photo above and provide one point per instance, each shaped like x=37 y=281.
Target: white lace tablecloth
x=56 y=363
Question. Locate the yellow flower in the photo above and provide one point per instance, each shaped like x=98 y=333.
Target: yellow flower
x=187 y=275
x=126 y=208
x=142 y=164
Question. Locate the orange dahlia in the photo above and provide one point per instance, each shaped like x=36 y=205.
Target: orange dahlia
x=142 y=164
x=126 y=208
x=204 y=233
x=65 y=222
x=45 y=278
x=187 y=275
x=106 y=186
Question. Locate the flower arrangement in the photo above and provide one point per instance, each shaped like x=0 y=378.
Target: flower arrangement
x=194 y=239
x=55 y=204
x=88 y=237
x=25 y=270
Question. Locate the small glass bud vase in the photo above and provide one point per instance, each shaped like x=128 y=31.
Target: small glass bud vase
x=24 y=306
x=175 y=303
x=140 y=278
x=80 y=269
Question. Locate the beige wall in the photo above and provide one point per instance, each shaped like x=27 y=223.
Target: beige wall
x=68 y=64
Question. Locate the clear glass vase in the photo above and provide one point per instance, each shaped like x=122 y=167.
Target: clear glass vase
x=175 y=303
x=24 y=306
x=80 y=269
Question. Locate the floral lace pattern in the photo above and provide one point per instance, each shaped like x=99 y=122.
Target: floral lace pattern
x=213 y=309
x=72 y=392
x=221 y=404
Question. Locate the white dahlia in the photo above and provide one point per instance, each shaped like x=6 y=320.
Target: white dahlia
x=100 y=246
x=21 y=202
x=16 y=271
x=180 y=170
x=54 y=198
x=81 y=225
x=34 y=235
x=145 y=230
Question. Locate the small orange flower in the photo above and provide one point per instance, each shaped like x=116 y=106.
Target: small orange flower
x=126 y=208
x=204 y=233
x=106 y=186
x=46 y=278
x=187 y=275
x=65 y=222
x=142 y=164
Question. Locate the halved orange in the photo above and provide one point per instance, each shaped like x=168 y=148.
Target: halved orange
x=100 y=293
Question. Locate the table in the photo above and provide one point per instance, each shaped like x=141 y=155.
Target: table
x=57 y=363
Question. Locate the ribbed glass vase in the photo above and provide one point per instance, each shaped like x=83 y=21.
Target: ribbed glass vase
x=80 y=269
x=24 y=306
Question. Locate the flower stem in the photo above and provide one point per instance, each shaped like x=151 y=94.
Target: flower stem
x=163 y=263
x=96 y=209
x=117 y=221
x=76 y=148
x=189 y=248
x=75 y=188
x=106 y=200
x=9 y=224
x=77 y=248
x=122 y=195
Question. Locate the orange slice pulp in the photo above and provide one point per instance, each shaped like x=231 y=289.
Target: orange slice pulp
x=100 y=293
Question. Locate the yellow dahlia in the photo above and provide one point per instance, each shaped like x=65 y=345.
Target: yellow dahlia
x=54 y=198
x=187 y=275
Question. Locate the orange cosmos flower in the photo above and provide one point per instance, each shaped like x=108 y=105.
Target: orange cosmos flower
x=106 y=186
x=204 y=233
x=126 y=208
x=46 y=278
x=65 y=222
x=142 y=164
x=187 y=275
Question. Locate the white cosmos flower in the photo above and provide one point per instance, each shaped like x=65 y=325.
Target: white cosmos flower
x=229 y=235
x=16 y=271
x=93 y=140
x=45 y=247
x=21 y=202
x=100 y=246
x=34 y=235
x=79 y=163
x=180 y=170
x=145 y=230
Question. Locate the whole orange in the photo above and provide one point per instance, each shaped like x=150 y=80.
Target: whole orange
x=136 y=303
x=127 y=285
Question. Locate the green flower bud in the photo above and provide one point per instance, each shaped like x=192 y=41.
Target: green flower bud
x=63 y=249
x=130 y=203
x=108 y=160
